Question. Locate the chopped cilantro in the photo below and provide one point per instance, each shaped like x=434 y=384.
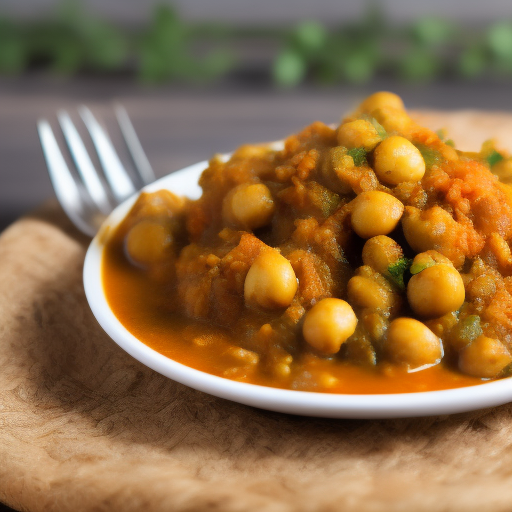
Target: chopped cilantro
x=416 y=268
x=431 y=156
x=381 y=131
x=358 y=155
x=442 y=135
x=397 y=270
x=494 y=157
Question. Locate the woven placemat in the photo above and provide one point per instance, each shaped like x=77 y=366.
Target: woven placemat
x=83 y=426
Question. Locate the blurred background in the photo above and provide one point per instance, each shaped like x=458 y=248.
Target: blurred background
x=203 y=76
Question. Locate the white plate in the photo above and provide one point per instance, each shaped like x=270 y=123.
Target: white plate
x=287 y=401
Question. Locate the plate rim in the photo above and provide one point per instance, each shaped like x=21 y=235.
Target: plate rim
x=307 y=403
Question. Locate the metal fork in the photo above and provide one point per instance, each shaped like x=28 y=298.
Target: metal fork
x=85 y=197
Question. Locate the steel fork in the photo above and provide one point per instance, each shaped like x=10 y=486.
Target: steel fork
x=85 y=197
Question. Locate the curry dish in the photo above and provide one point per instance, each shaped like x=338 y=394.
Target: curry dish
x=371 y=257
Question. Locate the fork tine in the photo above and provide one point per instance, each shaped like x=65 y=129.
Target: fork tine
x=134 y=146
x=117 y=177
x=65 y=187
x=83 y=163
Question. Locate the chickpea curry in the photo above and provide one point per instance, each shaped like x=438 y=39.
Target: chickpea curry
x=371 y=257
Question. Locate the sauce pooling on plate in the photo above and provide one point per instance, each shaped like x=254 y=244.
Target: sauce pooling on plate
x=369 y=258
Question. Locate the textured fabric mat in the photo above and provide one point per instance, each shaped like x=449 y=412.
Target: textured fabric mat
x=84 y=427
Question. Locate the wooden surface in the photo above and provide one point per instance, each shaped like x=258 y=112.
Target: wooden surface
x=85 y=427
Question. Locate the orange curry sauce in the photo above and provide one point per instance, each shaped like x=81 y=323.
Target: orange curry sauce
x=142 y=307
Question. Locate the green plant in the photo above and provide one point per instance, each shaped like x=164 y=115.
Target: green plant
x=165 y=52
x=169 y=49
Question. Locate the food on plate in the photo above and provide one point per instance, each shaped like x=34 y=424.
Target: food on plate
x=370 y=257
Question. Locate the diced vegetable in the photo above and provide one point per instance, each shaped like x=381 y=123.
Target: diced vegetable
x=431 y=156
x=398 y=270
x=358 y=155
x=494 y=158
x=380 y=129
x=466 y=331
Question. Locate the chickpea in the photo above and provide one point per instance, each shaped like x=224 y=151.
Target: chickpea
x=392 y=119
x=411 y=342
x=367 y=293
x=337 y=164
x=484 y=358
x=249 y=206
x=436 y=291
x=328 y=324
x=358 y=134
x=161 y=203
x=243 y=355
x=271 y=282
x=499 y=250
x=376 y=325
x=433 y=228
x=381 y=99
x=380 y=252
x=375 y=213
x=428 y=259
x=398 y=160
x=148 y=242
x=251 y=151
x=442 y=325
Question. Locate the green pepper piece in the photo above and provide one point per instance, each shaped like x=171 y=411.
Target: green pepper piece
x=416 y=268
x=381 y=131
x=358 y=155
x=468 y=329
x=397 y=270
x=494 y=158
x=431 y=156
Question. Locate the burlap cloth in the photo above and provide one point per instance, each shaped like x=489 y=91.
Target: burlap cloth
x=84 y=427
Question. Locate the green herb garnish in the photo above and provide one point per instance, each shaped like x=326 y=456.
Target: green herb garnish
x=416 y=268
x=358 y=155
x=381 y=131
x=493 y=158
x=442 y=135
x=397 y=270
x=431 y=156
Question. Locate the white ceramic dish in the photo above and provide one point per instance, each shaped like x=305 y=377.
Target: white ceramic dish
x=287 y=401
